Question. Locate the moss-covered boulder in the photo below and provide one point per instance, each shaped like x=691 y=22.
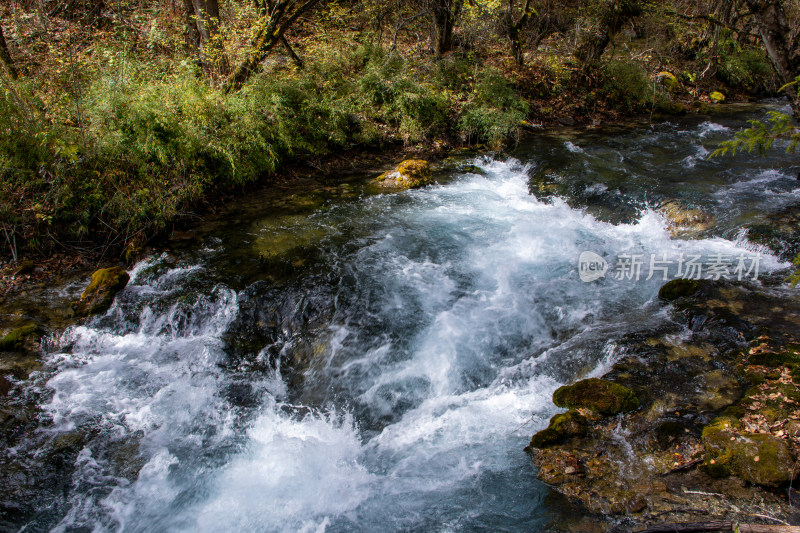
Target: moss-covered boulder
x=14 y=340
x=758 y=458
x=678 y=288
x=99 y=295
x=600 y=395
x=409 y=174
x=670 y=81
x=672 y=108
x=562 y=426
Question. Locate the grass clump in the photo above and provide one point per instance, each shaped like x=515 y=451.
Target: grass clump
x=495 y=110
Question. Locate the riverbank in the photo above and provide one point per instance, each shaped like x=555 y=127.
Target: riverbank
x=123 y=134
x=715 y=431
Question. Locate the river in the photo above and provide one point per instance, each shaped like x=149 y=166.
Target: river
x=348 y=360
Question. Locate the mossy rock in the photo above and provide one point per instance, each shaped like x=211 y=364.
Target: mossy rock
x=753 y=457
x=718 y=390
x=669 y=81
x=562 y=426
x=600 y=395
x=684 y=219
x=672 y=108
x=15 y=339
x=716 y=97
x=410 y=174
x=774 y=359
x=701 y=107
x=678 y=288
x=99 y=295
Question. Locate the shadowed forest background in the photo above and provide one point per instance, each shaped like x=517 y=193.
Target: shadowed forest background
x=120 y=117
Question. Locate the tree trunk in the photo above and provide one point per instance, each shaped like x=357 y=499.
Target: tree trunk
x=514 y=29
x=205 y=16
x=444 y=13
x=270 y=32
x=774 y=30
x=616 y=14
x=192 y=33
x=5 y=56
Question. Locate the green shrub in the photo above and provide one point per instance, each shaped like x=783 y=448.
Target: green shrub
x=746 y=69
x=495 y=111
x=626 y=84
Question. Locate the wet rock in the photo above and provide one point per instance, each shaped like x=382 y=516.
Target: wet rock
x=685 y=220
x=718 y=390
x=562 y=426
x=567 y=121
x=14 y=340
x=677 y=288
x=99 y=295
x=758 y=458
x=599 y=395
x=5 y=386
x=410 y=174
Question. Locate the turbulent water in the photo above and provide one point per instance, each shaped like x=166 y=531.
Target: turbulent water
x=377 y=362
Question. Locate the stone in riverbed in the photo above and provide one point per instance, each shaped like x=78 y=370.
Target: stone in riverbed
x=683 y=220
x=605 y=397
x=562 y=426
x=410 y=174
x=15 y=339
x=678 y=288
x=99 y=295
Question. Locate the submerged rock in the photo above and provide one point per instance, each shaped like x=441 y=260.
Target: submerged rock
x=562 y=427
x=599 y=395
x=99 y=295
x=410 y=174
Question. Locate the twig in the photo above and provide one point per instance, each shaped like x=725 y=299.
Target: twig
x=684 y=466
x=702 y=493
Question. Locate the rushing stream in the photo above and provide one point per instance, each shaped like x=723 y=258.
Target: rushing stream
x=352 y=361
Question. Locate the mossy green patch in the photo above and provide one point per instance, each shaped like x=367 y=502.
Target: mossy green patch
x=415 y=172
x=562 y=426
x=97 y=297
x=754 y=457
x=599 y=395
x=678 y=288
x=14 y=340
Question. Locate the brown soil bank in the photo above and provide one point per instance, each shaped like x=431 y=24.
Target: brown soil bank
x=698 y=421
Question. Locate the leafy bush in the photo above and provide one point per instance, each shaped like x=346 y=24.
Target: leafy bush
x=626 y=84
x=746 y=69
x=495 y=111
